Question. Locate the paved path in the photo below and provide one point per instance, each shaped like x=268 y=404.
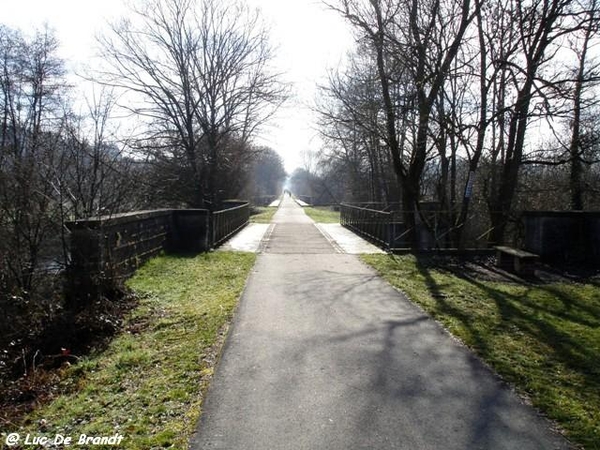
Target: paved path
x=323 y=354
x=254 y=237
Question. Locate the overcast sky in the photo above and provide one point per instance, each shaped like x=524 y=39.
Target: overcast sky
x=309 y=38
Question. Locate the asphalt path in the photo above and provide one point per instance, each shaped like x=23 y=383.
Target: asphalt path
x=323 y=354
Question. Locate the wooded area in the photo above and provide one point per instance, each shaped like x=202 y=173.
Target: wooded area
x=195 y=77
x=483 y=107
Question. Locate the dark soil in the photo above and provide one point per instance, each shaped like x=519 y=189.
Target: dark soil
x=31 y=366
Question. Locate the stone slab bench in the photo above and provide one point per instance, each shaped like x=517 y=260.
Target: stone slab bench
x=515 y=260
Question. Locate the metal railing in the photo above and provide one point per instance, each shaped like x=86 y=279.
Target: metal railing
x=374 y=225
x=227 y=222
x=305 y=198
x=434 y=229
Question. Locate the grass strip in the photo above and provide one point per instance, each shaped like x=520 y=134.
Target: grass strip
x=544 y=339
x=148 y=384
x=322 y=214
x=262 y=214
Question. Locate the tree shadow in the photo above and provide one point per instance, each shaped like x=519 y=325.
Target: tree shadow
x=391 y=377
x=437 y=292
x=554 y=327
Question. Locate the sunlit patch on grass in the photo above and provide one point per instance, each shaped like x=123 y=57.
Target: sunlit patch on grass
x=263 y=214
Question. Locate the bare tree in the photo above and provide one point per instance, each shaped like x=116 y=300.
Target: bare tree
x=201 y=71
x=267 y=175
x=30 y=96
x=350 y=110
x=471 y=77
x=98 y=179
x=540 y=28
x=420 y=39
x=586 y=76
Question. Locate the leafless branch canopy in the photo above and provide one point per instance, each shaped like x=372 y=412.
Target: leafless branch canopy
x=202 y=71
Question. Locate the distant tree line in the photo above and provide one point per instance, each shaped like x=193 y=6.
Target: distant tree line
x=484 y=106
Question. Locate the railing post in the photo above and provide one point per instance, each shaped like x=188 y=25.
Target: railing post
x=372 y=224
x=228 y=221
x=209 y=231
x=391 y=232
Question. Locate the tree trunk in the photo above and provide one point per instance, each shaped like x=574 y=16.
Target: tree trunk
x=481 y=131
x=575 y=150
x=502 y=204
x=575 y=181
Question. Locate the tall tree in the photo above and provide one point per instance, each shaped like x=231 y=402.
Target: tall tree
x=422 y=40
x=268 y=173
x=540 y=26
x=586 y=75
x=31 y=84
x=99 y=177
x=203 y=73
x=350 y=111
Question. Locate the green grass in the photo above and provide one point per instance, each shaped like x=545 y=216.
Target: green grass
x=322 y=214
x=544 y=339
x=148 y=384
x=262 y=214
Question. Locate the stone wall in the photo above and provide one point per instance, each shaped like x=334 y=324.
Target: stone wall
x=563 y=236
x=106 y=250
x=190 y=231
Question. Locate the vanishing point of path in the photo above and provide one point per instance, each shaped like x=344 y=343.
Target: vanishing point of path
x=323 y=354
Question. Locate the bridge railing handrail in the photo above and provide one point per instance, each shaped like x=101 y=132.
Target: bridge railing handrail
x=370 y=223
x=347 y=205
x=227 y=222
